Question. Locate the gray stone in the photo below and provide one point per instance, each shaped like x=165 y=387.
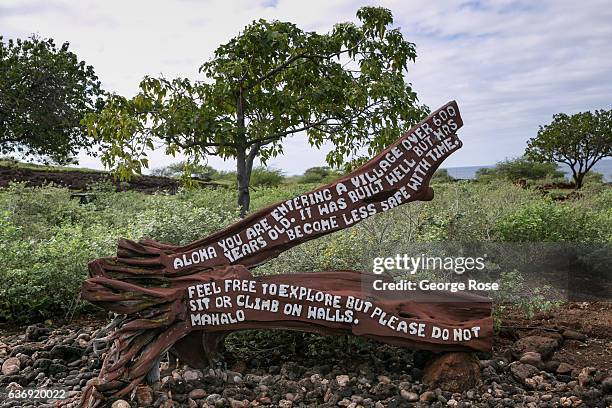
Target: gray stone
x=192 y=375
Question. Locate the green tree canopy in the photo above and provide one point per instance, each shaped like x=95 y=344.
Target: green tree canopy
x=44 y=93
x=177 y=170
x=520 y=168
x=321 y=174
x=579 y=141
x=271 y=81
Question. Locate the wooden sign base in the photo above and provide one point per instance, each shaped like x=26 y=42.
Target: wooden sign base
x=192 y=314
x=189 y=298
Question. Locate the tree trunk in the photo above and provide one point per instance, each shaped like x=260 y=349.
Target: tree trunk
x=244 y=167
x=578 y=179
x=243 y=177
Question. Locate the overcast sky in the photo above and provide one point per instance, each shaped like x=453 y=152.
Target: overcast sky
x=509 y=64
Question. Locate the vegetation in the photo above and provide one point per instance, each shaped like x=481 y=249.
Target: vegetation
x=178 y=170
x=44 y=93
x=272 y=81
x=320 y=175
x=519 y=169
x=47 y=239
x=442 y=176
x=579 y=141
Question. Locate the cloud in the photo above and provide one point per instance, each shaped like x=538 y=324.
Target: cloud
x=510 y=64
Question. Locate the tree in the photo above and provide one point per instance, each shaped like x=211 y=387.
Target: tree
x=44 y=94
x=272 y=81
x=320 y=175
x=178 y=169
x=520 y=168
x=579 y=141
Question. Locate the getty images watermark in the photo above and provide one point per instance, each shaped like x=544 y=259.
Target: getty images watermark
x=412 y=264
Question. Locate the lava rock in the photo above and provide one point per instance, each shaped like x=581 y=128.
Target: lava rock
x=545 y=346
x=573 y=335
x=409 y=396
x=564 y=368
x=66 y=353
x=42 y=364
x=36 y=332
x=522 y=371
x=454 y=372
x=606 y=385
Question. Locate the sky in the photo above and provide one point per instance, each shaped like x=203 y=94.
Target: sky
x=510 y=64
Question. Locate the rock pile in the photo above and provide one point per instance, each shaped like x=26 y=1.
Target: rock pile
x=373 y=376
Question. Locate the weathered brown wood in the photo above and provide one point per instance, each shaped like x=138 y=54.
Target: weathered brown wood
x=414 y=157
x=155 y=284
x=166 y=319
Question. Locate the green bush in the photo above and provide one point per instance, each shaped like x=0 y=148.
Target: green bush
x=266 y=177
x=175 y=221
x=178 y=169
x=41 y=278
x=320 y=175
x=517 y=169
x=442 y=176
x=547 y=221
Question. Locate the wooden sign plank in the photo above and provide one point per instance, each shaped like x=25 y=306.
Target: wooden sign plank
x=398 y=175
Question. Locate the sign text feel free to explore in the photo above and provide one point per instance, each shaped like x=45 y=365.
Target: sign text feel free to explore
x=222 y=304
x=396 y=175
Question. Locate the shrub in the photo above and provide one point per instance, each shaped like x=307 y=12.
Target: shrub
x=442 y=176
x=175 y=221
x=546 y=221
x=517 y=169
x=320 y=175
x=41 y=279
x=266 y=177
x=177 y=170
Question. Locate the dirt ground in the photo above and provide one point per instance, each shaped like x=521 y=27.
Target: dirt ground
x=591 y=319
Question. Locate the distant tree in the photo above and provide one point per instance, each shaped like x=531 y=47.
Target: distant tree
x=442 y=176
x=485 y=174
x=320 y=174
x=579 y=141
x=520 y=168
x=44 y=93
x=266 y=177
x=272 y=81
x=178 y=169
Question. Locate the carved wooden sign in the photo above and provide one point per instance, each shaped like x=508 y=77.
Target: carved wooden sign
x=189 y=298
